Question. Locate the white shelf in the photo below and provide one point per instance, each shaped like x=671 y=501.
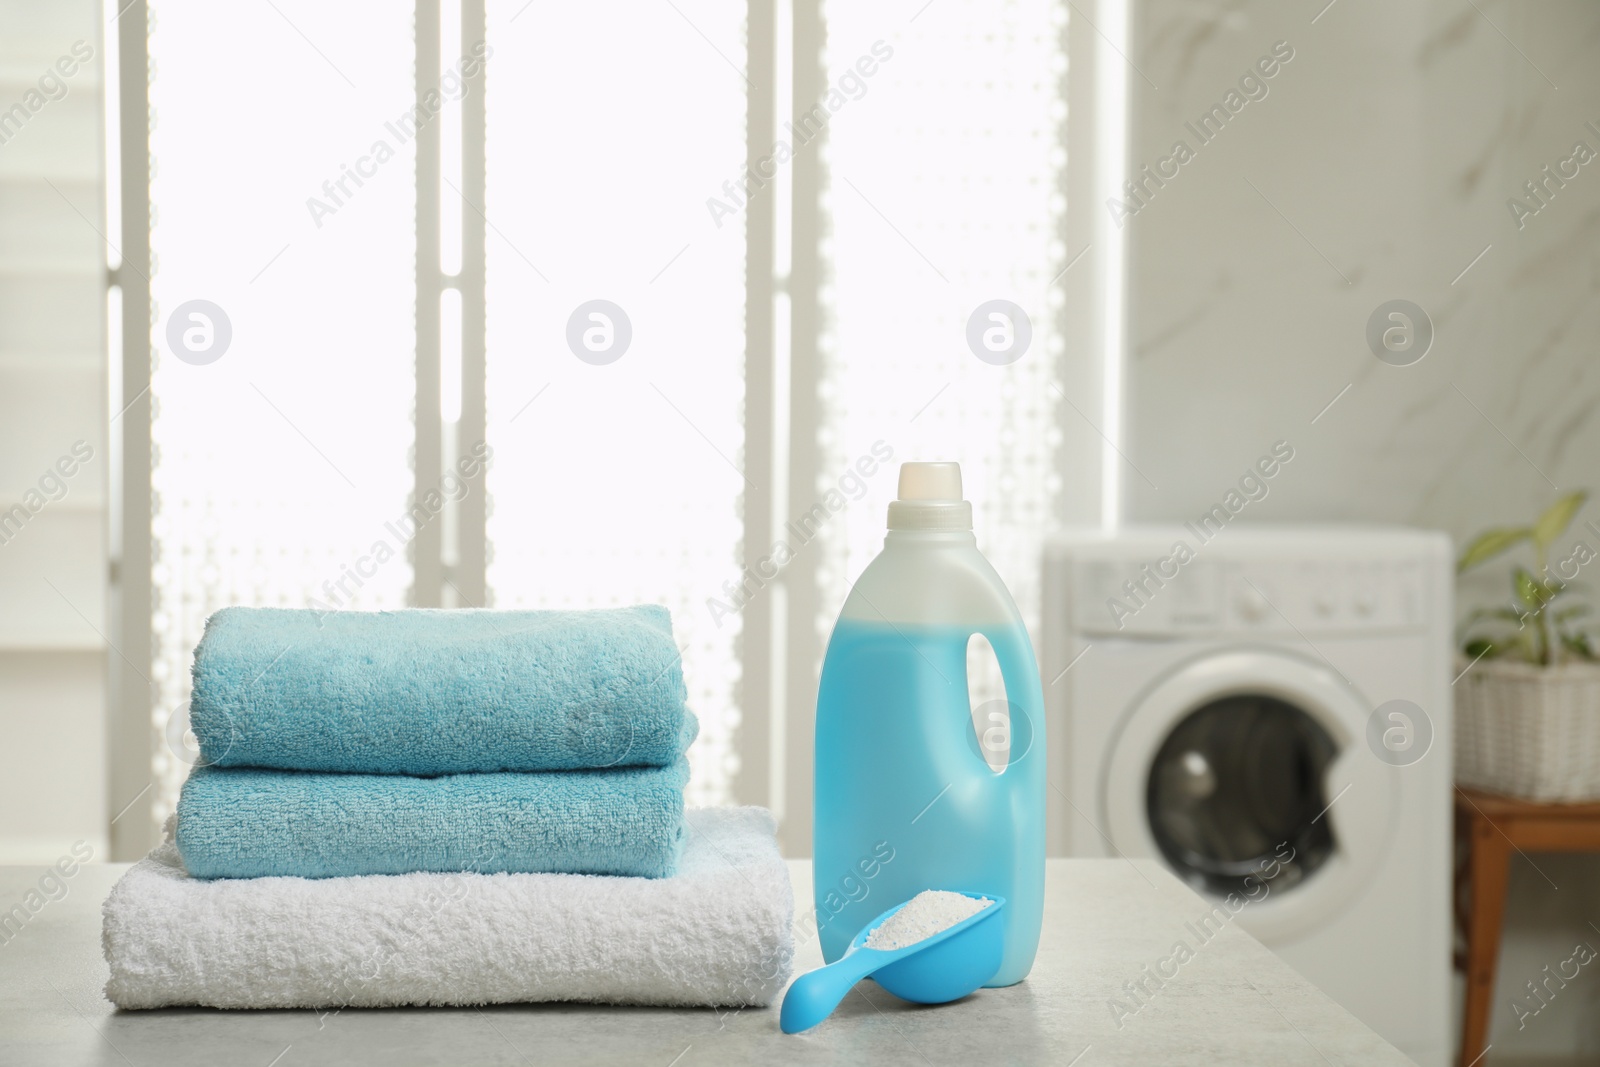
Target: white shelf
x=54 y=272
x=67 y=362
x=94 y=503
x=23 y=647
x=18 y=76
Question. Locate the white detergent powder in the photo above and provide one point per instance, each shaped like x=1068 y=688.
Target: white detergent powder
x=929 y=912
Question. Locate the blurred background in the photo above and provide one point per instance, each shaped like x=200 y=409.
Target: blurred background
x=472 y=303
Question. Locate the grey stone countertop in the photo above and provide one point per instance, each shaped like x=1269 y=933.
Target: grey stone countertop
x=1231 y=1002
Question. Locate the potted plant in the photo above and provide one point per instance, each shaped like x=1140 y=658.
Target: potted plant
x=1528 y=694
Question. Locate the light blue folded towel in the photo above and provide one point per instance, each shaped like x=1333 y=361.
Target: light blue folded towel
x=258 y=823
x=439 y=692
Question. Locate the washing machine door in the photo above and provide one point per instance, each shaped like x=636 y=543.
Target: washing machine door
x=1246 y=771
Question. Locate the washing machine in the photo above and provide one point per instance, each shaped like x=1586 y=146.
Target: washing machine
x=1266 y=710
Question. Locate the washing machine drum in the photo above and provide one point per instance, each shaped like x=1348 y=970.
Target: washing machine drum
x=1246 y=767
x=1235 y=782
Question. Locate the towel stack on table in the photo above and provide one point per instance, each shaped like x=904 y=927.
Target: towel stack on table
x=436 y=741
x=514 y=778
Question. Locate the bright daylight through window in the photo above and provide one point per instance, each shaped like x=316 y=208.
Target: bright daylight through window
x=615 y=310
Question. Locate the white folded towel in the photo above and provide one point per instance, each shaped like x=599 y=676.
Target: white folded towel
x=718 y=933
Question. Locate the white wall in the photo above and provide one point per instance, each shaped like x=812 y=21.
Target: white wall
x=1391 y=143
x=52 y=397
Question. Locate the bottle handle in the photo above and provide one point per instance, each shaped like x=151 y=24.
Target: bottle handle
x=1013 y=651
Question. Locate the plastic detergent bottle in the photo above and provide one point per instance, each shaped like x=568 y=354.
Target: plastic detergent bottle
x=905 y=799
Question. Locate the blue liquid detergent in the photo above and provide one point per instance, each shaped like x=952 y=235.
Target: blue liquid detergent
x=905 y=800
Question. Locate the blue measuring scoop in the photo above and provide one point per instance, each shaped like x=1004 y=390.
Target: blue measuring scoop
x=936 y=970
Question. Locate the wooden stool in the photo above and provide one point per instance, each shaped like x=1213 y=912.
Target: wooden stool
x=1491 y=828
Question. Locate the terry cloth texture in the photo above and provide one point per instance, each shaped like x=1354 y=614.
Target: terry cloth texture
x=243 y=823
x=718 y=933
x=427 y=691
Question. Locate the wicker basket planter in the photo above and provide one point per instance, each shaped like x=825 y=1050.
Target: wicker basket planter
x=1528 y=731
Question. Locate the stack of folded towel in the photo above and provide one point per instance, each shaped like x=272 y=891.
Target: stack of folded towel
x=478 y=768
x=436 y=741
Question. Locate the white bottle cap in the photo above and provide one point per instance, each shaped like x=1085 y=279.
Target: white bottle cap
x=930 y=481
x=930 y=498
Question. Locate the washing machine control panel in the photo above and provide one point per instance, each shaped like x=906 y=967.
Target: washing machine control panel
x=1175 y=595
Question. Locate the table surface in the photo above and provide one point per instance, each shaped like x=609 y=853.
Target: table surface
x=1233 y=1002
x=1496 y=806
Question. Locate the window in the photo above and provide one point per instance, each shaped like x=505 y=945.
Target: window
x=618 y=469
x=283 y=340
x=944 y=191
x=667 y=356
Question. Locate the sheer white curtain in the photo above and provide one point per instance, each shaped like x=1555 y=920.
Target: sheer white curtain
x=615 y=295
x=278 y=462
x=943 y=192
x=617 y=468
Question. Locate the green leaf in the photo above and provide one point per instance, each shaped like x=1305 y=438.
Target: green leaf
x=1528 y=588
x=1502 y=614
x=1489 y=545
x=1556 y=518
x=1481 y=648
x=1536 y=593
x=1575 y=611
x=1579 y=645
